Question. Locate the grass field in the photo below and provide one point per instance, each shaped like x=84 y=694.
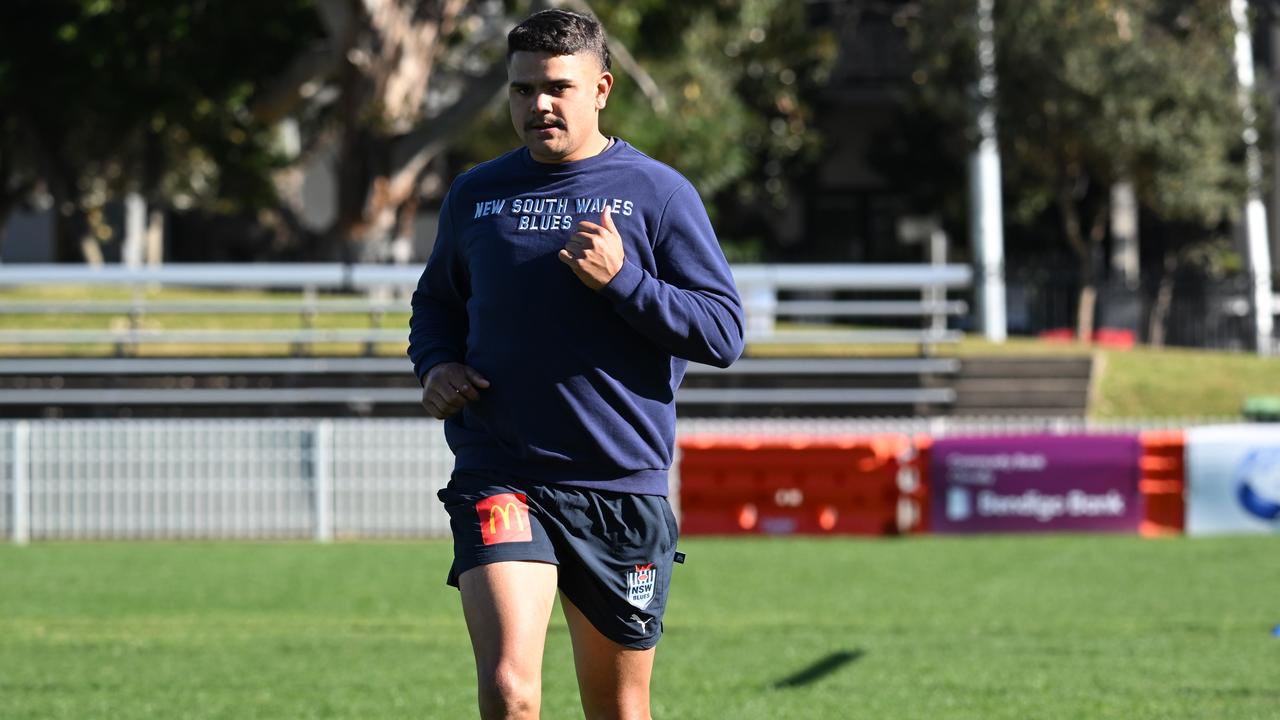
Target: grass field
x=927 y=628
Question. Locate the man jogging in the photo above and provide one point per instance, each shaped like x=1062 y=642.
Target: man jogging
x=572 y=281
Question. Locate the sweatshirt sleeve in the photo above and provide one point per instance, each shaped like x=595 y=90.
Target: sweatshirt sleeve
x=691 y=307
x=438 y=324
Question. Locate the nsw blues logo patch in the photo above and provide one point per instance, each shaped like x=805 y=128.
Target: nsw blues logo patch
x=640 y=583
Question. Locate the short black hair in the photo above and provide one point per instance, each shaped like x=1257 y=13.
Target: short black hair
x=559 y=32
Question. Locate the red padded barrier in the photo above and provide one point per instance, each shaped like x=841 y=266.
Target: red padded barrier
x=794 y=484
x=1162 y=482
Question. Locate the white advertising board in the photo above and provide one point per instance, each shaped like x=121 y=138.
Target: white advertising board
x=1233 y=479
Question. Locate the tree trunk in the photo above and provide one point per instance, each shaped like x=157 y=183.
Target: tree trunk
x=153 y=239
x=1085 y=309
x=69 y=222
x=384 y=85
x=13 y=189
x=1074 y=235
x=381 y=55
x=68 y=229
x=1157 y=324
x=385 y=143
x=8 y=201
x=1086 y=249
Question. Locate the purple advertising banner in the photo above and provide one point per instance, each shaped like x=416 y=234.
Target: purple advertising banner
x=1038 y=483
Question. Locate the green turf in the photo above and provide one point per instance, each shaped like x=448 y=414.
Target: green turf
x=982 y=628
x=1182 y=383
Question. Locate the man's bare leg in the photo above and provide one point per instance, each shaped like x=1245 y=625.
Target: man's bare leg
x=507 y=606
x=613 y=679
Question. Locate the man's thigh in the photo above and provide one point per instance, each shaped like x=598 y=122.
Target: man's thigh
x=613 y=679
x=507 y=606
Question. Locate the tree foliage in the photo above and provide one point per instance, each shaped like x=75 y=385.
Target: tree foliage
x=729 y=105
x=1091 y=94
x=102 y=97
x=216 y=106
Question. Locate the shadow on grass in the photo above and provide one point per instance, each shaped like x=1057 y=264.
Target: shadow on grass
x=820 y=669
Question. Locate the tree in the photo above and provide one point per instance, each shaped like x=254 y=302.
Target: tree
x=390 y=83
x=715 y=88
x=1088 y=97
x=217 y=108
x=720 y=90
x=103 y=97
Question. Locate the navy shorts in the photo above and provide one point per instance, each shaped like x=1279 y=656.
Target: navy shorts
x=614 y=550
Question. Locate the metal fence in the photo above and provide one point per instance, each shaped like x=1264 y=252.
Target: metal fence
x=911 y=298
x=307 y=479
x=222 y=479
x=1196 y=311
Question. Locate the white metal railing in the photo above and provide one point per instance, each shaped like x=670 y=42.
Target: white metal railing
x=386 y=288
x=339 y=276
x=307 y=479
x=399 y=366
x=40 y=389
x=221 y=479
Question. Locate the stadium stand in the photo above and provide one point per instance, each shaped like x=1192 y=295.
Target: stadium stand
x=287 y=387
x=790 y=305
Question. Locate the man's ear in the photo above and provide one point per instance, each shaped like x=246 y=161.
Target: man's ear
x=603 y=86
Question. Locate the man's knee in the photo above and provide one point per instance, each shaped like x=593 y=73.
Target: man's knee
x=619 y=712
x=508 y=691
x=627 y=705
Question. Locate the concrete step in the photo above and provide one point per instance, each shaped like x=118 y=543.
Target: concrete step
x=1027 y=367
x=1021 y=385
x=995 y=411
x=1029 y=385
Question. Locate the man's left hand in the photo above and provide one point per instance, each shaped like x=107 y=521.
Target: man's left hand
x=594 y=253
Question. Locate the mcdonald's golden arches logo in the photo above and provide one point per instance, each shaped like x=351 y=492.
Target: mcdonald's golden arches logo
x=504 y=518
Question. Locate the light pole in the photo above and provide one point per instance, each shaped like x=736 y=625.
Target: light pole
x=1255 y=213
x=986 y=211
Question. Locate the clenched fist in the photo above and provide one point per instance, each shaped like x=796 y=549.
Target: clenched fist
x=594 y=253
x=449 y=386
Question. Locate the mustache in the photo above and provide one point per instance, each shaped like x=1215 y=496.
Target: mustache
x=549 y=122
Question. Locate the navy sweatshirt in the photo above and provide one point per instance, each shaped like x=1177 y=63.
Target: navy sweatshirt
x=582 y=383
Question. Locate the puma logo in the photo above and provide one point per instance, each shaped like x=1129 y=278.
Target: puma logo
x=642 y=623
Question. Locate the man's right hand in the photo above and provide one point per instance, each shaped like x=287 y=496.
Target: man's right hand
x=449 y=386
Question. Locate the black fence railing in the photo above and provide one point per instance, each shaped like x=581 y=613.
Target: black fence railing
x=1185 y=310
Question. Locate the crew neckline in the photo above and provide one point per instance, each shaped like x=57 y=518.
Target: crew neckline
x=615 y=145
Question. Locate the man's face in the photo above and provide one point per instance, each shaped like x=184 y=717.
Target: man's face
x=555 y=101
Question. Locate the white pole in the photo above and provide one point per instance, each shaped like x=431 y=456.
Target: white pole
x=1273 y=229
x=986 y=212
x=135 y=230
x=1125 y=265
x=322 y=479
x=762 y=308
x=936 y=295
x=20 y=506
x=1255 y=213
